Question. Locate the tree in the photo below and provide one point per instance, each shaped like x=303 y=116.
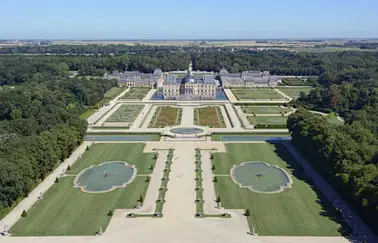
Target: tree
x=211 y=156
x=215 y=179
x=68 y=167
x=218 y=199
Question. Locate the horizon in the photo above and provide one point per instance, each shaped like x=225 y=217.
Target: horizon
x=188 y=20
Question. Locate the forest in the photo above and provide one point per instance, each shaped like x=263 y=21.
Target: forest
x=347 y=155
x=40 y=125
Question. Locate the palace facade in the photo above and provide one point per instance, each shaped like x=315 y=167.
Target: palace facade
x=189 y=87
x=248 y=79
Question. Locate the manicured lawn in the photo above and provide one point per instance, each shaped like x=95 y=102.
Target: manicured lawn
x=114 y=92
x=268 y=120
x=65 y=210
x=265 y=109
x=166 y=116
x=331 y=118
x=218 y=136
x=136 y=93
x=257 y=94
x=294 y=92
x=125 y=113
x=209 y=116
x=298 y=211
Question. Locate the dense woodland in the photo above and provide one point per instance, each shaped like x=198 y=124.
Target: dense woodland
x=346 y=155
x=40 y=124
x=40 y=107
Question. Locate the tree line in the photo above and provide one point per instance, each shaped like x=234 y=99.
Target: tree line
x=40 y=124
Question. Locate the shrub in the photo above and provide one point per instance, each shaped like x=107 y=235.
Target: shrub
x=87 y=148
x=68 y=167
x=148 y=179
x=140 y=199
x=110 y=213
x=151 y=167
x=215 y=179
x=24 y=214
x=155 y=156
x=213 y=167
x=211 y=156
x=56 y=180
x=247 y=213
x=218 y=199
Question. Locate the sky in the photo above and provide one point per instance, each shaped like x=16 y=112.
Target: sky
x=187 y=19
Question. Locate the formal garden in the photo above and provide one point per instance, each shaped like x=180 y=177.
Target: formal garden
x=297 y=210
x=67 y=209
x=257 y=94
x=166 y=116
x=268 y=121
x=125 y=113
x=265 y=109
x=210 y=116
x=294 y=92
x=136 y=93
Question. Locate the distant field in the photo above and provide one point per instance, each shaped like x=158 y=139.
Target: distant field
x=136 y=94
x=256 y=94
x=294 y=92
x=333 y=49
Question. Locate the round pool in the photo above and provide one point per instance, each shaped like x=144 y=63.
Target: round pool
x=187 y=130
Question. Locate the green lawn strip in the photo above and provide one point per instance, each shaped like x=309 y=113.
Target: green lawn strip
x=136 y=93
x=153 y=136
x=131 y=153
x=298 y=211
x=221 y=118
x=125 y=113
x=110 y=128
x=265 y=110
x=65 y=210
x=218 y=136
x=294 y=92
x=256 y=94
x=109 y=95
x=268 y=121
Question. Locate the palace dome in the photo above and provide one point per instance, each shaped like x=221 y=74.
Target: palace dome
x=188 y=79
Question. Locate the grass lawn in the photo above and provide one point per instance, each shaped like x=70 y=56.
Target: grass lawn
x=298 y=211
x=218 y=136
x=331 y=118
x=265 y=109
x=294 y=92
x=65 y=210
x=136 y=93
x=114 y=92
x=209 y=116
x=257 y=94
x=166 y=116
x=125 y=113
x=268 y=120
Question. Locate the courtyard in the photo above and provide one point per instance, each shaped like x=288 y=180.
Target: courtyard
x=297 y=211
